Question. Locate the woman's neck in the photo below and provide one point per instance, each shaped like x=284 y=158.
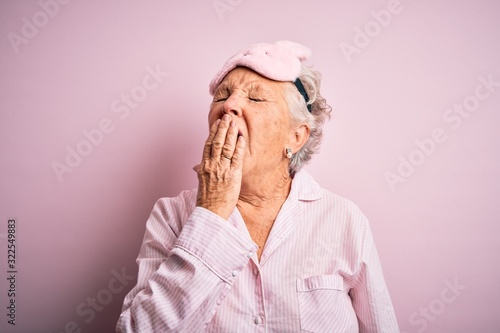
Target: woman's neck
x=265 y=191
x=259 y=203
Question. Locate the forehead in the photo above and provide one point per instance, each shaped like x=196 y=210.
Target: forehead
x=245 y=78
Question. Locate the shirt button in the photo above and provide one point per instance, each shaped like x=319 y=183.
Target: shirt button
x=234 y=273
x=257 y=321
x=249 y=255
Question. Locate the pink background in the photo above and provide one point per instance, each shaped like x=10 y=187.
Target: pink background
x=440 y=224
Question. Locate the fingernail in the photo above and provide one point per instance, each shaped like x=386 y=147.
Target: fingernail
x=233 y=123
x=226 y=117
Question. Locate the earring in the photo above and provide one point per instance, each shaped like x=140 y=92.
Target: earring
x=288 y=153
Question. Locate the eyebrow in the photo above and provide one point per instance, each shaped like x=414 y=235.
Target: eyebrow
x=252 y=86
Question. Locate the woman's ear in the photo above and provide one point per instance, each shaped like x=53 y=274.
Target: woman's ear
x=300 y=137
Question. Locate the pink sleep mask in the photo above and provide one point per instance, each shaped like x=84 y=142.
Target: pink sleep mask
x=279 y=61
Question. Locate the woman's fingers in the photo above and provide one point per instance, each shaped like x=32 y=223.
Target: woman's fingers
x=230 y=143
x=207 y=149
x=239 y=151
x=221 y=141
x=220 y=171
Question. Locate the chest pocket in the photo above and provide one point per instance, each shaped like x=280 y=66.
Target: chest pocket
x=324 y=305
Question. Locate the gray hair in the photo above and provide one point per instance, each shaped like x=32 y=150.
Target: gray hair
x=320 y=111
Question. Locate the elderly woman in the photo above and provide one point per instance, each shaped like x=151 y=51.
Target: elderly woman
x=259 y=246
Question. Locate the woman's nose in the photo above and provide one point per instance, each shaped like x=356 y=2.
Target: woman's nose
x=232 y=105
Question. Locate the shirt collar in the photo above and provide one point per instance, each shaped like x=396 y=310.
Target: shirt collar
x=305 y=188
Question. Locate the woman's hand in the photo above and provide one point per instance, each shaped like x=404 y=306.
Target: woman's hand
x=220 y=171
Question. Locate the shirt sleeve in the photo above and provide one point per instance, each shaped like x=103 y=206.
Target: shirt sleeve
x=370 y=297
x=183 y=279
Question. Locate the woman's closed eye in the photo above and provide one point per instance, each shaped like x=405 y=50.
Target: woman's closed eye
x=220 y=97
